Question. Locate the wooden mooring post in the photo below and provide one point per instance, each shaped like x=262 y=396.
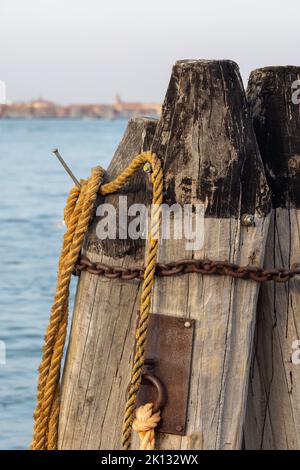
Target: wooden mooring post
x=210 y=159
x=97 y=367
x=273 y=411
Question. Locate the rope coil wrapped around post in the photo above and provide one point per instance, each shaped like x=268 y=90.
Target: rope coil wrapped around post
x=77 y=214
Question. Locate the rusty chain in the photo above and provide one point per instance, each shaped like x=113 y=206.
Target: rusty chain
x=185 y=266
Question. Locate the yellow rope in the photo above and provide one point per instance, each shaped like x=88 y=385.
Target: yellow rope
x=145 y=423
x=142 y=329
x=78 y=211
x=77 y=216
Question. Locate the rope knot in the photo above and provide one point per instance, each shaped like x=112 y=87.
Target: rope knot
x=145 y=419
x=145 y=422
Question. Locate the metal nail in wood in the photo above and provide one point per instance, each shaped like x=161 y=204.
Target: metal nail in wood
x=68 y=170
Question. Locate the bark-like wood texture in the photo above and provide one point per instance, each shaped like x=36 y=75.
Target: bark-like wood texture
x=273 y=411
x=206 y=142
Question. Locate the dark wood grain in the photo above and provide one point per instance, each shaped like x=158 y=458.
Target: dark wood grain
x=276 y=122
x=273 y=411
x=206 y=141
x=137 y=138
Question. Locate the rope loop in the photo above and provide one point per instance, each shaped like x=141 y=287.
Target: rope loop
x=77 y=215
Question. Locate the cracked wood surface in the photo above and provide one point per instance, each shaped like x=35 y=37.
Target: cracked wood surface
x=206 y=143
x=273 y=410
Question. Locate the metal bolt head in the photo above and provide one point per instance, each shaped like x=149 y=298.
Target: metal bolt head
x=179 y=428
x=248 y=220
x=187 y=324
x=147 y=168
x=150 y=362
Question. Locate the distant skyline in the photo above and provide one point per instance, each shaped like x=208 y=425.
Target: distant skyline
x=45 y=100
x=87 y=51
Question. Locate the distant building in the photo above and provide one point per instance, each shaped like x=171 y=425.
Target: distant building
x=41 y=108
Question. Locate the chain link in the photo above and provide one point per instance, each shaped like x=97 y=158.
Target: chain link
x=185 y=266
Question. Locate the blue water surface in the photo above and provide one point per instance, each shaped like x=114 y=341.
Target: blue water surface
x=34 y=188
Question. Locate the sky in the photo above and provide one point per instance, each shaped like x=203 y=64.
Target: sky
x=84 y=51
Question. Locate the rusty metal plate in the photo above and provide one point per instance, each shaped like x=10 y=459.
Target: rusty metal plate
x=168 y=357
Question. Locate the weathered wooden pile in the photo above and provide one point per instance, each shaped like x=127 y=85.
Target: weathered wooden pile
x=242 y=380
